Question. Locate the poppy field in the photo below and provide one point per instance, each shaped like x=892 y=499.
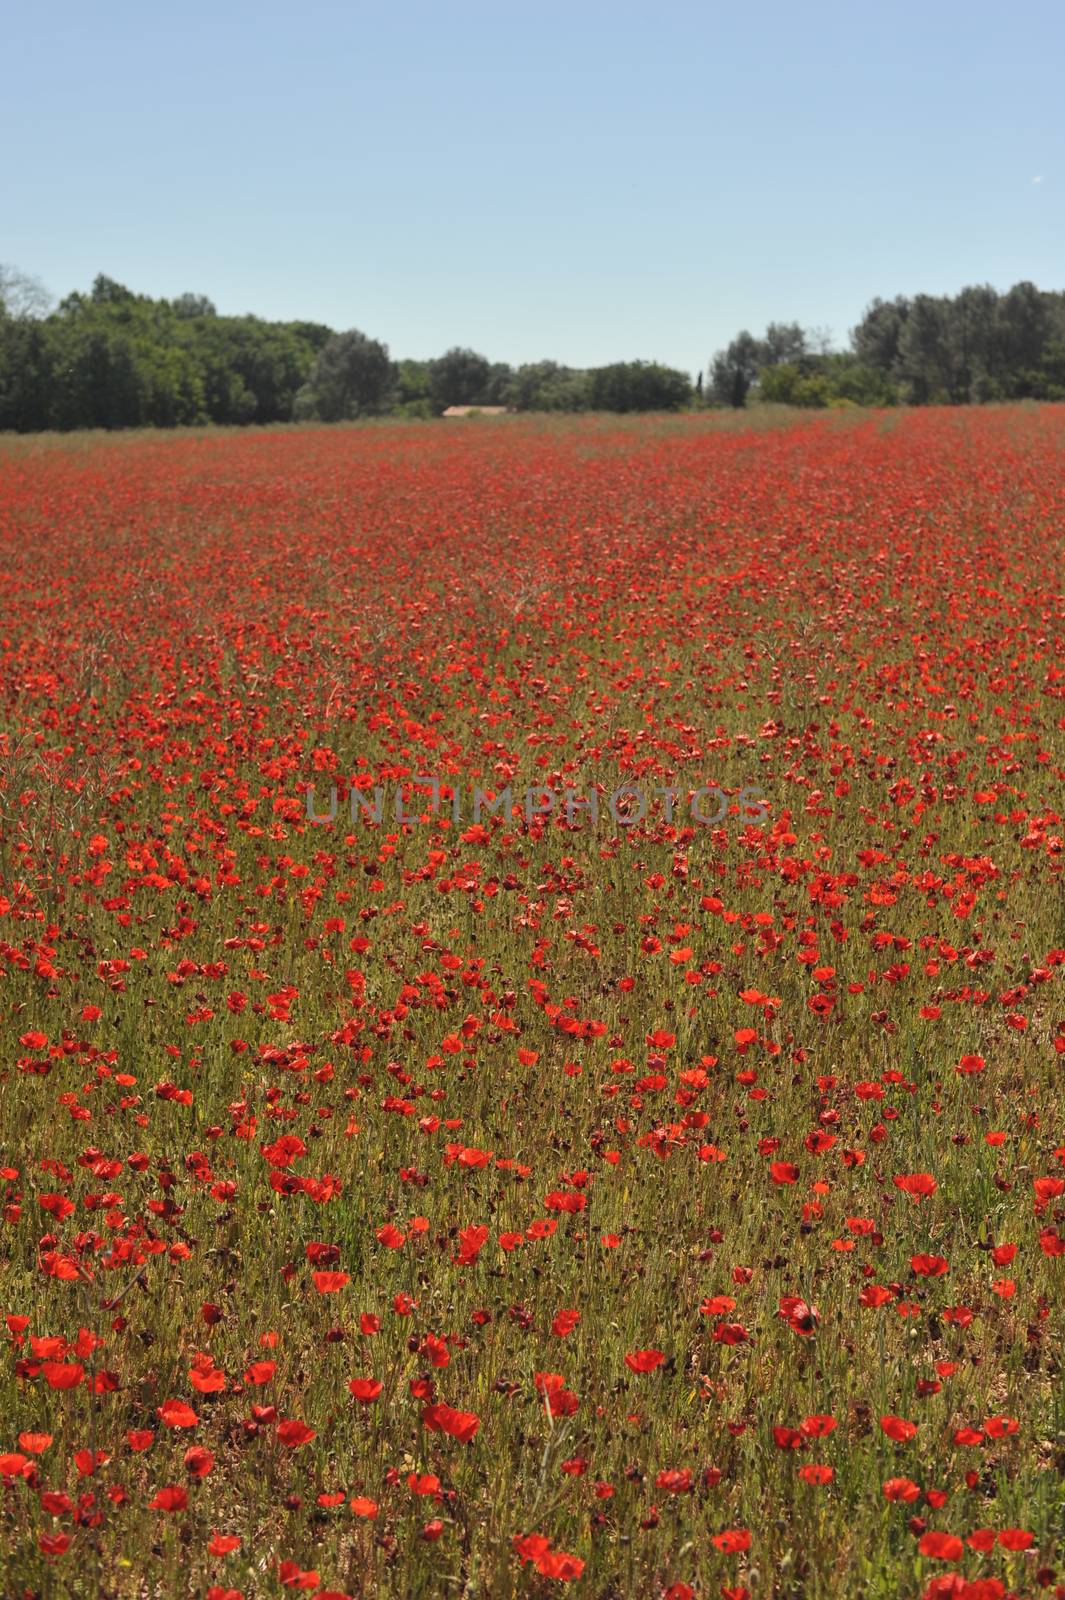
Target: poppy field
x=527 y=1199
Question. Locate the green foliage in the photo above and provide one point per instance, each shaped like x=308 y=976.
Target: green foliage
x=547 y=386
x=855 y=382
x=638 y=386
x=413 y=410
x=733 y=371
x=787 y=384
x=112 y=358
x=460 y=378
x=825 y=380
x=115 y=359
x=352 y=377
x=411 y=383
x=977 y=345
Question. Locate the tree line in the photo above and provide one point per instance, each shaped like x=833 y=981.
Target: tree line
x=974 y=346
x=116 y=359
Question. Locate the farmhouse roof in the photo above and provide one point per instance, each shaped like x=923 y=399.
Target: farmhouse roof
x=480 y=411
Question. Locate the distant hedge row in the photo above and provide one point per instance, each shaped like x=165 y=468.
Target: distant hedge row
x=973 y=346
x=115 y=359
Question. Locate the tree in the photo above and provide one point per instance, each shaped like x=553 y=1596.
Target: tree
x=786 y=384
x=106 y=291
x=735 y=369
x=638 y=386
x=410 y=389
x=497 y=385
x=1025 y=328
x=834 y=379
x=927 y=363
x=195 y=305
x=548 y=386
x=316 y=335
x=22 y=296
x=112 y=358
x=27 y=376
x=784 y=341
x=854 y=382
x=973 y=343
x=351 y=378
x=102 y=383
x=876 y=339
x=459 y=377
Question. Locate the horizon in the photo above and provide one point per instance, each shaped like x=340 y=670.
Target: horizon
x=595 y=188
x=837 y=345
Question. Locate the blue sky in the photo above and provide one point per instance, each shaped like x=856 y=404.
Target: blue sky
x=587 y=181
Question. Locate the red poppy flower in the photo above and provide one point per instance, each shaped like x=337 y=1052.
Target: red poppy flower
x=644 y=1360
x=176 y=1414
x=170 y=1498
x=293 y=1433
x=733 y=1541
x=898 y=1428
x=941 y=1546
